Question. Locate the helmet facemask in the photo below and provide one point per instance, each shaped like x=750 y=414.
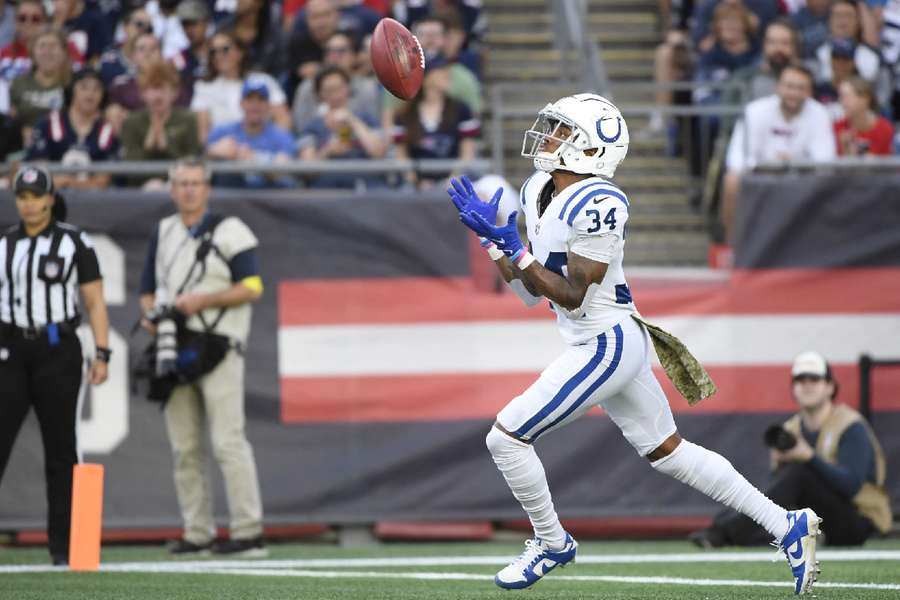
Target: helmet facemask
x=547 y=128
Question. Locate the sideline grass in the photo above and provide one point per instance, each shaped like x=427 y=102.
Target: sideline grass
x=333 y=582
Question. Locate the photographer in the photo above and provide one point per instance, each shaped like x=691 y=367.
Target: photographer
x=200 y=277
x=825 y=457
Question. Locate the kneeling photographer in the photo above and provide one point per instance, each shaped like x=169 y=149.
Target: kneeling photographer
x=200 y=277
x=825 y=457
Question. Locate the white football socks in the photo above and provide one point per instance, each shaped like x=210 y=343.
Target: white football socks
x=712 y=474
x=525 y=476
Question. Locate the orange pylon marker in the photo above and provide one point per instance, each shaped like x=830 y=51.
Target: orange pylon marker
x=87 y=518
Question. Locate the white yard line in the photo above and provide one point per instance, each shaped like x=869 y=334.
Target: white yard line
x=208 y=569
x=177 y=566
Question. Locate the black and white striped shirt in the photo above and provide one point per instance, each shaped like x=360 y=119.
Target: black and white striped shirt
x=40 y=275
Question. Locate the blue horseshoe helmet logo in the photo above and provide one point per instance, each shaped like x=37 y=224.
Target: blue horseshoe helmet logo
x=611 y=139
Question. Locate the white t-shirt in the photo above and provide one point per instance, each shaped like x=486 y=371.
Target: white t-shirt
x=221 y=97
x=168 y=29
x=764 y=135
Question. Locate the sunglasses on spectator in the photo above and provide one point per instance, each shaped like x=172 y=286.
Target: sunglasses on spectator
x=32 y=18
x=337 y=49
x=188 y=22
x=143 y=25
x=224 y=49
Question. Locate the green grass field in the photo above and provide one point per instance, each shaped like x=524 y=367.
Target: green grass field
x=608 y=570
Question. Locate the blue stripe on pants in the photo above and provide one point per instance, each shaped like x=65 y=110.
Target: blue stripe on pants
x=617 y=355
x=567 y=389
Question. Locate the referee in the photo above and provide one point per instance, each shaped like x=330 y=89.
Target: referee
x=44 y=263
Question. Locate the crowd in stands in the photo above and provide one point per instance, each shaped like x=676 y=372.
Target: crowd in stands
x=814 y=80
x=83 y=81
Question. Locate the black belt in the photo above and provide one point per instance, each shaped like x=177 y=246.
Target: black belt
x=8 y=330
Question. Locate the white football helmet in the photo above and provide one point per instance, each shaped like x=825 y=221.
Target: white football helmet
x=594 y=123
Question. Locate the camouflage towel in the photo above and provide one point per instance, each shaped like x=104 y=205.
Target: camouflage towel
x=685 y=372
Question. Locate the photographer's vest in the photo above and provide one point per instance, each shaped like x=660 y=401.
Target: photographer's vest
x=176 y=258
x=872 y=500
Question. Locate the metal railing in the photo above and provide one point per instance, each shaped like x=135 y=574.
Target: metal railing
x=294 y=167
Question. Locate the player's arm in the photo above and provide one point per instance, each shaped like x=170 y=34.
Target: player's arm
x=568 y=292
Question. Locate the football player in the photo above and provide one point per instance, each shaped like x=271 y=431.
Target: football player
x=576 y=221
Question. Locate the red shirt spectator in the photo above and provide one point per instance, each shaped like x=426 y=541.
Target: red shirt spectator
x=878 y=139
x=862 y=131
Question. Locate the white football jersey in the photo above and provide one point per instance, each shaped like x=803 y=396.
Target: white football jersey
x=587 y=218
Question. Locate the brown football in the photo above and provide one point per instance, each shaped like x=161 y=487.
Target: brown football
x=397 y=59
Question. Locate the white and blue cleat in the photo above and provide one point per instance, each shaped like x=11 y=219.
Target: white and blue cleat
x=799 y=545
x=536 y=561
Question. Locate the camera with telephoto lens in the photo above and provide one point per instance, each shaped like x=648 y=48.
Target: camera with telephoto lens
x=166 y=320
x=779 y=438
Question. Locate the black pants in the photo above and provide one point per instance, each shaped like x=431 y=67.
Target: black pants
x=799 y=486
x=34 y=373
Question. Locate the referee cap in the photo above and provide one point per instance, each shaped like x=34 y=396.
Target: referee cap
x=32 y=178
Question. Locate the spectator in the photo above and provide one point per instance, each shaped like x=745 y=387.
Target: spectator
x=843 y=66
x=703 y=35
x=862 y=131
x=811 y=21
x=780 y=47
x=160 y=131
x=253 y=138
x=306 y=48
x=365 y=93
x=890 y=51
x=125 y=92
x=788 y=125
x=844 y=24
x=120 y=60
x=373 y=10
x=217 y=99
x=734 y=48
x=167 y=26
x=7 y=23
x=36 y=93
x=192 y=62
x=340 y=132
x=457 y=48
x=468 y=14
x=15 y=58
x=256 y=26
x=85 y=25
x=435 y=126
x=827 y=457
x=77 y=135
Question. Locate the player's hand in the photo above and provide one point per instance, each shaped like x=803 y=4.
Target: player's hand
x=462 y=194
x=506 y=237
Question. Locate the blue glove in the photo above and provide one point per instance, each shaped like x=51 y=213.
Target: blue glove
x=506 y=237
x=463 y=196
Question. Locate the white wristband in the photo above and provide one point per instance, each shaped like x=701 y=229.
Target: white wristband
x=524 y=260
x=495 y=253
